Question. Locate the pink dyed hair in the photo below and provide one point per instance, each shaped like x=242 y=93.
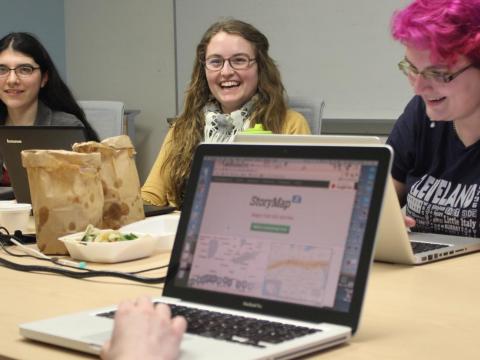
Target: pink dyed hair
x=447 y=28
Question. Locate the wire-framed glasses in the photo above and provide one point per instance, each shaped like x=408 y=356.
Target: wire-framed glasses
x=430 y=74
x=237 y=62
x=22 y=71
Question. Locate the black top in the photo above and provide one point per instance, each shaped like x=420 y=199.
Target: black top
x=442 y=176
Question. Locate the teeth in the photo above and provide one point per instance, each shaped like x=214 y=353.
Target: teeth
x=436 y=99
x=229 y=83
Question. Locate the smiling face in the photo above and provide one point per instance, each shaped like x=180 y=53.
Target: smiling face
x=232 y=88
x=456 y=100
x=19 y=94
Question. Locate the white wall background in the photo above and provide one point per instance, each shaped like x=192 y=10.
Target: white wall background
x=338 y=50
x=124 y=50
x=42 y=18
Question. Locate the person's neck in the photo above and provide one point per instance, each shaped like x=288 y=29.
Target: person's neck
x=227 y=110
x=22 y=116
x=468 y=130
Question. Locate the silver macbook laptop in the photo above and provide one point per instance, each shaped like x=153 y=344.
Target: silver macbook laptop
x=273 y=237
x=14 y=139
x=395 y=243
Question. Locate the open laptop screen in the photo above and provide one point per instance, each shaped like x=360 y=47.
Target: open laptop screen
x=14 y=139
x=263 y=246
x=288 y=229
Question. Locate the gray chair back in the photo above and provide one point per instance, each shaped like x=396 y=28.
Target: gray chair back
x=107 y=118
x=311 y=109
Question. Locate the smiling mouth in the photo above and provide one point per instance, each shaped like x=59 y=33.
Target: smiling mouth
x=229 y=84
x=435 y=100
x=13 y=91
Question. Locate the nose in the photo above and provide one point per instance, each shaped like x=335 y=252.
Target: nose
x=227 y=69
x=419 y=83
x=12 y=77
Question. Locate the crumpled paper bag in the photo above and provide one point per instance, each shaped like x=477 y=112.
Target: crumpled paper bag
x=123 y=203
x=66 y=193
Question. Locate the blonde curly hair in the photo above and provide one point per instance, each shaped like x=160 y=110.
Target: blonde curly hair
x=270 y=108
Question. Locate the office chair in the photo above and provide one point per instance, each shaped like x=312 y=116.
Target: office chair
x=106 y=117
x=311 y=109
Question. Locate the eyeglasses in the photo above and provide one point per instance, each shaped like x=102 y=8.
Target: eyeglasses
x=22 y=71
x=237 y=62
x=429 y=74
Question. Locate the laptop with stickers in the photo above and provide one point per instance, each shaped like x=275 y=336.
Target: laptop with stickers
x=273 y=246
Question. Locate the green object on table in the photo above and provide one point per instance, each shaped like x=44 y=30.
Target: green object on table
x=257 y=129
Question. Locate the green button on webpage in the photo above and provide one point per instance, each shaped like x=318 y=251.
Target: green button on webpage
x=274 y=228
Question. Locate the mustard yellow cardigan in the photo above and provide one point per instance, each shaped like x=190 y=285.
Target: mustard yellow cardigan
x=154 y=190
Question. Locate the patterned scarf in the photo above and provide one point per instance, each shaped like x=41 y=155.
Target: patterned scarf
x=221 y=128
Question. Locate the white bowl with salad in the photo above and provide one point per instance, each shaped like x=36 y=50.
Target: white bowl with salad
x=108 y=246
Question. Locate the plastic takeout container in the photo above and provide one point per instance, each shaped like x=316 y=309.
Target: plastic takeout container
x=14 y=216
x=162 y=227
x=109 y=252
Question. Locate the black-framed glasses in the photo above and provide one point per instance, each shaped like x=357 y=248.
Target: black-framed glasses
x=430 y=74
x=22 y=71
x=237 y=62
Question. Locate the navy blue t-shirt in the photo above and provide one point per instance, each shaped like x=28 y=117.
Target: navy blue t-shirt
x=442 y=176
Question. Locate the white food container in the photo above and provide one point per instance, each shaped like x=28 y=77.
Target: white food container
x=109 y=252
x=14 y=216
x=162 y=227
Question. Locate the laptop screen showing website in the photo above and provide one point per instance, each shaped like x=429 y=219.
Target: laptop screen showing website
x=281 y=229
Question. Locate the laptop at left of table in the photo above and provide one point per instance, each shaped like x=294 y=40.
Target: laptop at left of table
x=14 y=139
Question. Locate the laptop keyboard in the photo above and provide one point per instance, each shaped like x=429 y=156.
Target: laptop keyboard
x=234 y=328
x=419 y=247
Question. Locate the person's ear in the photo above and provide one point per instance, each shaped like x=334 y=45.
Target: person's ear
x=44 y=79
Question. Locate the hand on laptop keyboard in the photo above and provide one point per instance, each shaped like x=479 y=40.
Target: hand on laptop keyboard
x=142 y=331
x=239 y=329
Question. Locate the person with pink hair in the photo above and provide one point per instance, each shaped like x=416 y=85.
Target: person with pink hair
x=436 y=167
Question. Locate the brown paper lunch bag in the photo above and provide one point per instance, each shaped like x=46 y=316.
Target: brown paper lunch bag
x=123 y=203
x=66 y=193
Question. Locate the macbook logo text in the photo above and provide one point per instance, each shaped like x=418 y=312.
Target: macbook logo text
x=252 y=305
x=13 y=141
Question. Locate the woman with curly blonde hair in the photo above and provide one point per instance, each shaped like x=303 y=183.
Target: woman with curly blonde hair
x=235 y=84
